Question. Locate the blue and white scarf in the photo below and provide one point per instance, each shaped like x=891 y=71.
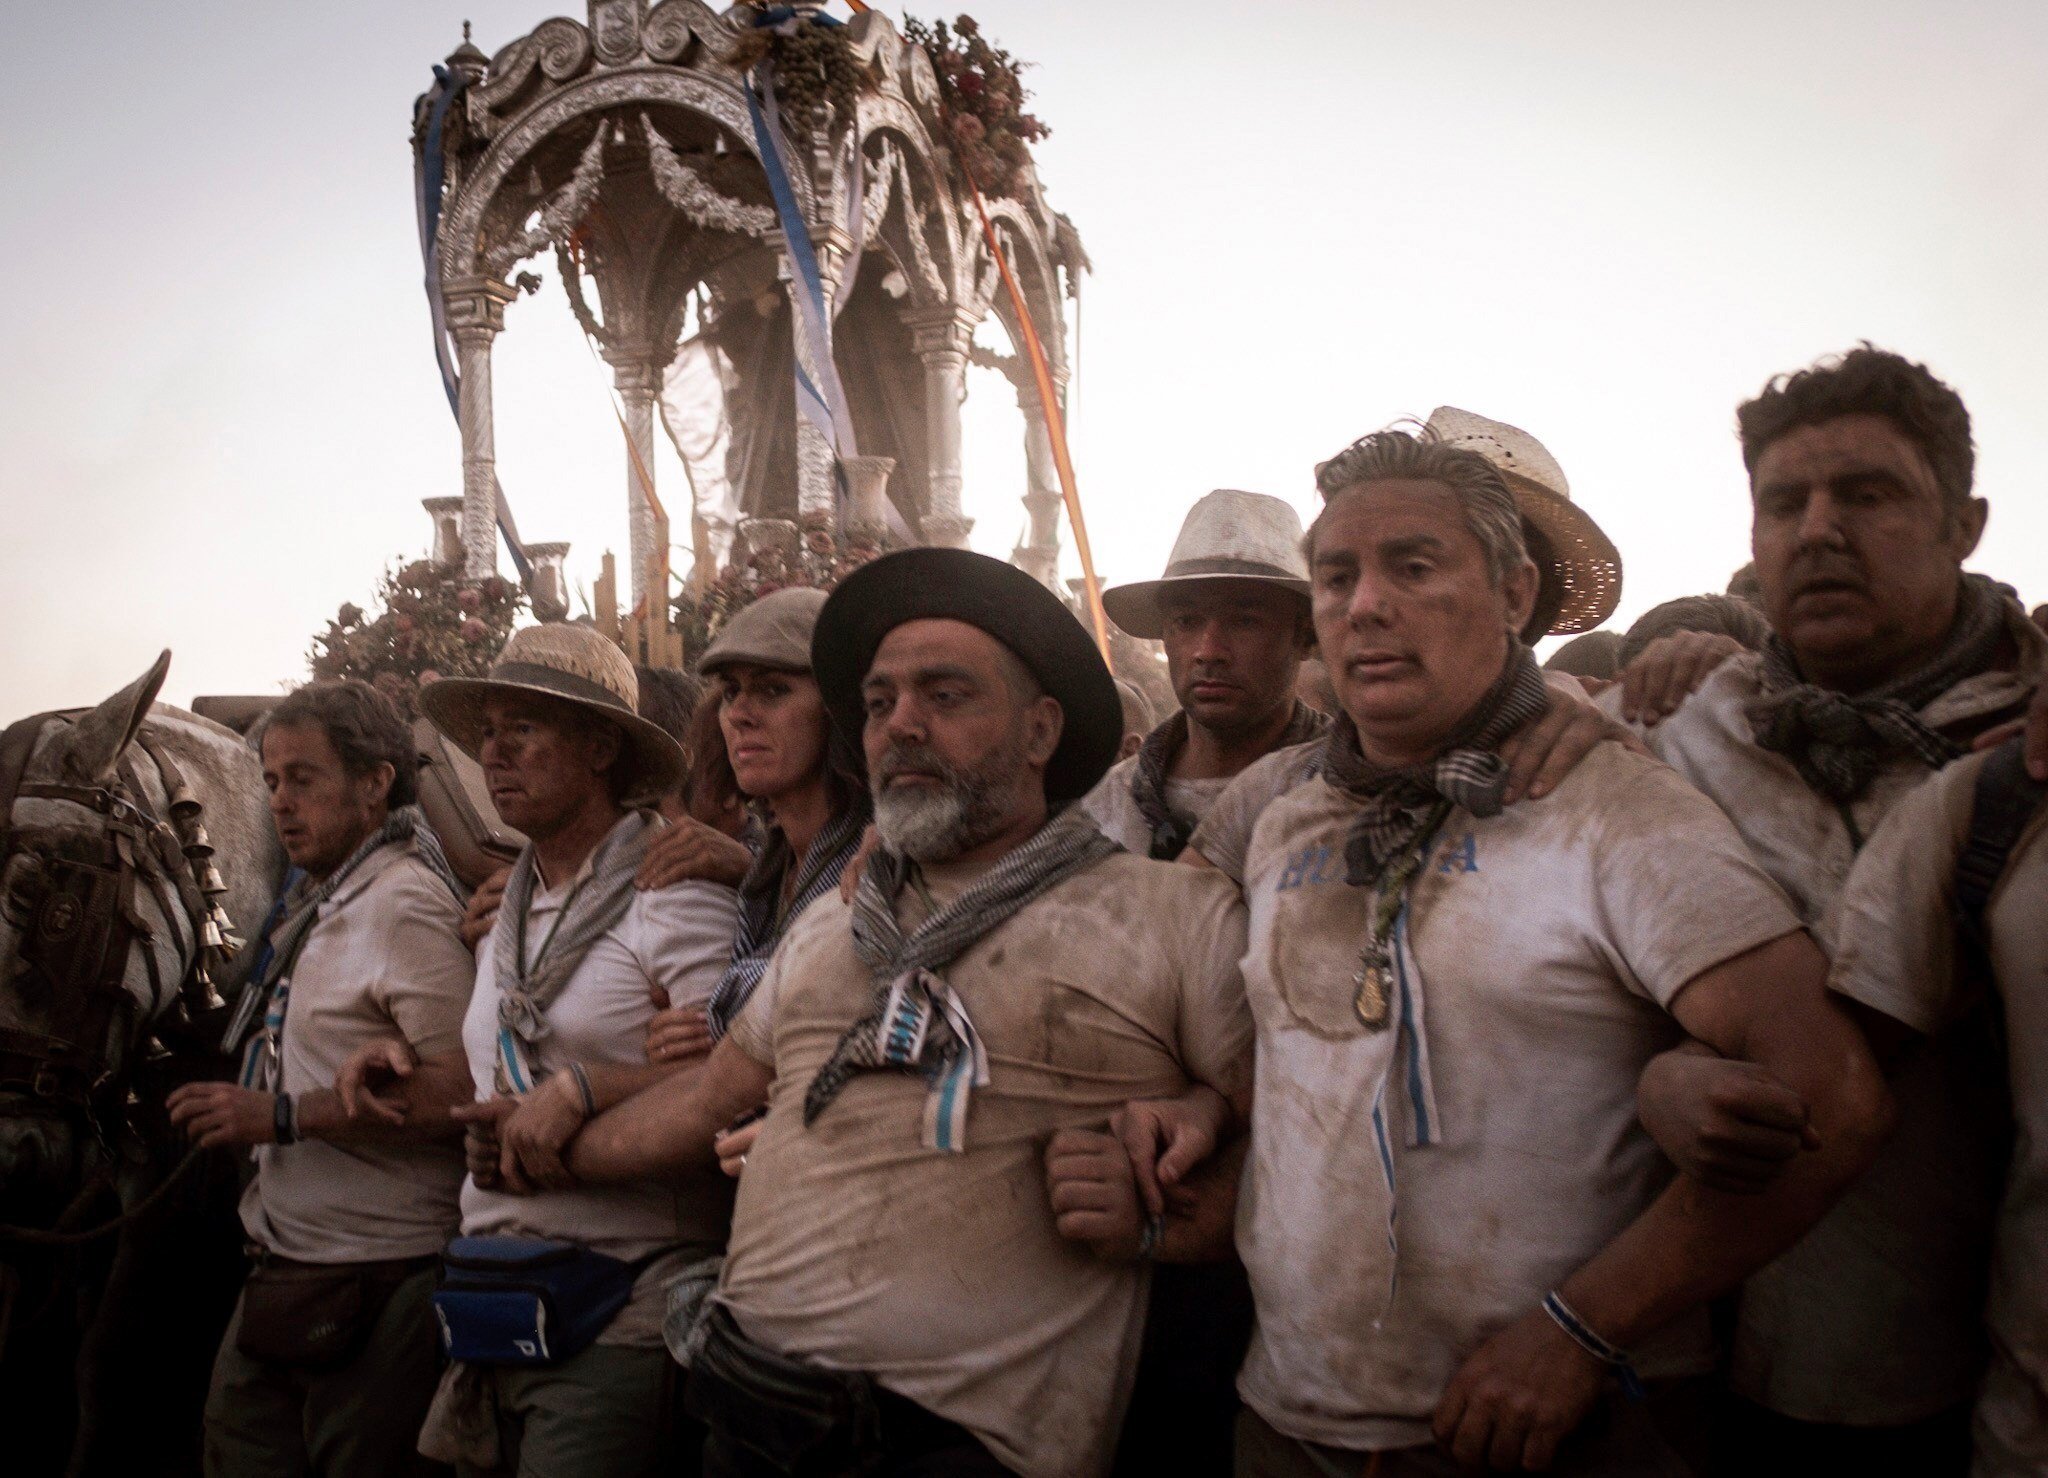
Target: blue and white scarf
x=918 y=1024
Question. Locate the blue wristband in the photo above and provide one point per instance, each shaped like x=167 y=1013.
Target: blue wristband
x=1582 y=1335
x=284 y=1120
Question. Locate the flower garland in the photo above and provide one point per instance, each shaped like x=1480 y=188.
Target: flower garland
x=822 y=555
x=981 y=102
x=432 y=625
x=817 y=78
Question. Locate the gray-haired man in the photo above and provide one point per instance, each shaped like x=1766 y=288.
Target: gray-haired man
x=1453 y=1001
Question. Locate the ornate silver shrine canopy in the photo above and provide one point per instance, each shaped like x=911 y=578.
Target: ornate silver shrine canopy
x=624 y=144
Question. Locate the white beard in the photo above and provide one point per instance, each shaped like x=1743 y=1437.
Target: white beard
x=922 y=824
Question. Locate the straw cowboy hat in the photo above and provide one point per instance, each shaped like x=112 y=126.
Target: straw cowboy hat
x=1580 y=567
x=1000 y=599
x=569 y=664
x=1227 y=536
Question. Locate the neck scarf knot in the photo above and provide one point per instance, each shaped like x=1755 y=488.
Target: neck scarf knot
x=526 y=989
x=1396 y=806
x=1171 y=830
x=916 y=1022
x=763 y=919
x=1838 y=742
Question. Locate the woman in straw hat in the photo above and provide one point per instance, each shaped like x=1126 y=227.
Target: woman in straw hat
x=566 y=984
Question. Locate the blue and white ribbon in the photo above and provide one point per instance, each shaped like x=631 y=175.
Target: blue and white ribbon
x=899 y=1043
x=1407 y=1064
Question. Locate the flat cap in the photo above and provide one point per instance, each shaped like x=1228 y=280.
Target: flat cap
x=775 y=631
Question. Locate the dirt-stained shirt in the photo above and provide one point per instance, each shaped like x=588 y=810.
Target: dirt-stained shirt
x=384 y=958
x=1816 y=1334
x=674 y=942
x=1225 y=834
x=1494 y=1105
x=942 y=1274
x=1895 y=951
x=1117 y=815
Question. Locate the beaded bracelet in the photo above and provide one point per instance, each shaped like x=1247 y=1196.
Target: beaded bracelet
x=1582 y=1335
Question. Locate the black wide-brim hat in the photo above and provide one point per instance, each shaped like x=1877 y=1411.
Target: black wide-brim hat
x=1000 y=599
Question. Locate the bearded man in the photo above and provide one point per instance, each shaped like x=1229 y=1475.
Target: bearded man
x=1864 y=1345
x=1454 y=1227
x=896 y=1297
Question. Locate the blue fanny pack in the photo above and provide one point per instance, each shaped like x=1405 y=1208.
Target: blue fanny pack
x=527 y=1300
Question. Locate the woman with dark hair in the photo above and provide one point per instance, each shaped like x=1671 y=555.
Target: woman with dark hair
x=804 y=785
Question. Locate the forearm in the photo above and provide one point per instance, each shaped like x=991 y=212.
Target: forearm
x=613 y=1083
x=426 y=1096
x=1695 y=1243
x=669 y=1126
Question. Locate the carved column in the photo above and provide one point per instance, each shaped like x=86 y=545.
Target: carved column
x=1039 y=554
x=476 y=314
x=941 y=342
x=817 y=490
x=638 y=377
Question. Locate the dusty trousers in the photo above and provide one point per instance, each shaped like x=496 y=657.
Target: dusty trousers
x=358 y=1420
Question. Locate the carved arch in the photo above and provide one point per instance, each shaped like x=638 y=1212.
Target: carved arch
x=1035 y=279
x=462 y=227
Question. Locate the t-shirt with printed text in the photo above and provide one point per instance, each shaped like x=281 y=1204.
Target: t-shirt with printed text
x=1495 y=1102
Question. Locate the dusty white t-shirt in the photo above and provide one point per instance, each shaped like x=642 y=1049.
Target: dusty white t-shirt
x=1548 y=942
x=1896 y=952
x=942 y=1275
x=1818 y=1331
x=384 y=959
x=1225 y=834
x=1117 y=814
x=677 y=939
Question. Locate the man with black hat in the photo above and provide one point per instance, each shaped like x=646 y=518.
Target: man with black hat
x=897 y=1291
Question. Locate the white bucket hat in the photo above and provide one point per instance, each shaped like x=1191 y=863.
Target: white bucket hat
x=570 y=664
x=1579 y=565
x=1227 y=536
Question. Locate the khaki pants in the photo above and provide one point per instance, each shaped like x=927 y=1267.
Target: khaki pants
x=599 y=1414
x=359 y=1420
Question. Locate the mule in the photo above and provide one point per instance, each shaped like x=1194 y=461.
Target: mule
x=108 y=916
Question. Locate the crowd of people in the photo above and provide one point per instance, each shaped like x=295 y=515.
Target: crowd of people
x=902 y=1056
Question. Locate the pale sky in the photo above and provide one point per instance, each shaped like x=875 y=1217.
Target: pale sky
x=1604 y=222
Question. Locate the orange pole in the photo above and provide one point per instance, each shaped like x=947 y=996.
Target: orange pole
x=1055 y=423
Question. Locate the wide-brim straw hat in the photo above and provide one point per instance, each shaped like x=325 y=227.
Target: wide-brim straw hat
x=1579 y=566
x=568 y=664
x=1000 y=599
x=1229 y=536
